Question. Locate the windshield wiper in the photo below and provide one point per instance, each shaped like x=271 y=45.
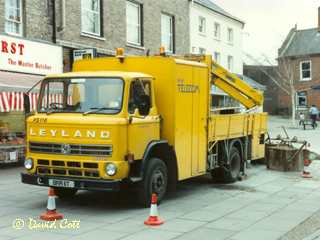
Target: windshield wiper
x=98 y=109
x=52 y=111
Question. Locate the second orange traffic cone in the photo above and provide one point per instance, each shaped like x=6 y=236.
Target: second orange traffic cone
x=51 y=209
x=153 y=219
x=306 y=171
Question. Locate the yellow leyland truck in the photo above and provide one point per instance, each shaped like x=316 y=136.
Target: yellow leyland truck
x=142 y=121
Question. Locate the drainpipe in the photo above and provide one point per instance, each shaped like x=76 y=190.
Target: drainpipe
x=63 y=3
x=54 y=34
x=190 y=40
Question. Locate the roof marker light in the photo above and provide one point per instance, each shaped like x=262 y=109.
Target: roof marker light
x=162 y=50
x=120 y=54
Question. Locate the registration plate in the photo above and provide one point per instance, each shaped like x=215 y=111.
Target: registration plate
x=61 y=183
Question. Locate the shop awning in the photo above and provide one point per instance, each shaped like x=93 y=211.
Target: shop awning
x=10 y=101
x=13 y=100
x=18 y=80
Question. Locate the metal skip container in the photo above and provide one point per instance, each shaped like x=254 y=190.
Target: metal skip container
x=283 y=156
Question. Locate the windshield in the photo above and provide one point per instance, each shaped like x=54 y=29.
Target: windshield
x=81 y=95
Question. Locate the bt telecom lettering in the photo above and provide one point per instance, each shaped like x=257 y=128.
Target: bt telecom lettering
x=188 y=88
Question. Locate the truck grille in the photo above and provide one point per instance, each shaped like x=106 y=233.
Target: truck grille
x=76 y=149
x=67 y=168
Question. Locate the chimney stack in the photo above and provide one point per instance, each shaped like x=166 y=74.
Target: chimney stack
x=318 y=19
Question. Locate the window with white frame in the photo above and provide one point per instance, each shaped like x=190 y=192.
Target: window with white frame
x=202 y=25
x=202 y=51
x=13 y=17
x=216 y=30
x=133 y=18
x=230 y=35
x=90 y=16
x=230 y=63
x=302 y=99
x=167 y=32
x=305 y=70
x=216 y=57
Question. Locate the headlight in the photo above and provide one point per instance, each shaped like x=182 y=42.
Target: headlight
x=111 y=169
x=28 y=163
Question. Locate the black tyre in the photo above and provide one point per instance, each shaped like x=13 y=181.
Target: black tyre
x=64 y=192
x=216 y=175
x=233 y=168
x=155 y=180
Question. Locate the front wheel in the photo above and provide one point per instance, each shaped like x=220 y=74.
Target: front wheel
x=231 y=174
x=155 y=180
x=64 y=192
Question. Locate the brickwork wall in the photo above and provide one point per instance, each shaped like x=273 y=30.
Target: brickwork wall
x=313 y=96
x=38 y=24
x=114 y=25
x=2 y=21
x=271 y=96
x=38 y=19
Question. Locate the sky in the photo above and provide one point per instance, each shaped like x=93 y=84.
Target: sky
x=268 y=22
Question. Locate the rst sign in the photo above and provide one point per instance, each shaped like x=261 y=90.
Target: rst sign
x=20 y=55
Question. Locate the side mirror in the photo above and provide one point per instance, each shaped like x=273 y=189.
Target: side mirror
x=26 y=103
x=144 y=105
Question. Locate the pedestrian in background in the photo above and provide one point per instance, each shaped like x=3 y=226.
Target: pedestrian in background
x=314 y=113
x=301 y=118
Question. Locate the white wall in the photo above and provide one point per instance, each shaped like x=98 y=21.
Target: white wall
x=208 y=41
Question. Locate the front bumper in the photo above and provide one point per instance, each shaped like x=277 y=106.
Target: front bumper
x=79 y=183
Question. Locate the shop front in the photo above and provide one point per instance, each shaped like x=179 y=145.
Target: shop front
x=23 y=63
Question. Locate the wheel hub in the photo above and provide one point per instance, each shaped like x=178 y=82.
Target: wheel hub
x=158 y=182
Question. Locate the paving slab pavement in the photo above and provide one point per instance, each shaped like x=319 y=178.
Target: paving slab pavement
x=269 y=205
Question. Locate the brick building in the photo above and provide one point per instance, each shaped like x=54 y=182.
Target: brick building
x=301 y=52
x=135 y=26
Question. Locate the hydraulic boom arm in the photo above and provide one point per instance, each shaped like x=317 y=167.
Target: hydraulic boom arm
x=235 y=87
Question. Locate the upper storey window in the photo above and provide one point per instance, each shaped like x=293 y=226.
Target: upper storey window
x=13 y=19
x=90 y=16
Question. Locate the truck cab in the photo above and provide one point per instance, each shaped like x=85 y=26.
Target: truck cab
x=83 y=127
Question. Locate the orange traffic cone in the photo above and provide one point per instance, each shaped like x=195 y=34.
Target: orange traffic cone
x=153 y=219
x=306 y=171
x=51 y=209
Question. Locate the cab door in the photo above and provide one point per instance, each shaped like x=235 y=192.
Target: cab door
x=142 y=130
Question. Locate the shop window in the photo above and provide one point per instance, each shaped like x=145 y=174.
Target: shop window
x=133 y=19
x=305 y=71
x=302 y=99
x=167 y=32
x=90 y=16
x=13 y=17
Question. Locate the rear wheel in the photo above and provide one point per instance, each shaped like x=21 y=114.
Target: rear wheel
x=155 y=180
x=64 y=192
x=216 y=175
x=233 y=168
